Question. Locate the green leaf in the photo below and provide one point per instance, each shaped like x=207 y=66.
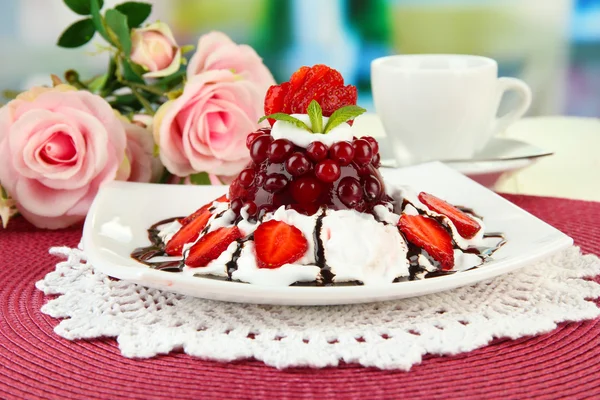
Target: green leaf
x=132 y=72
x=342 y=115
x=187 y=48
x=77 y=34
x=95 y=6
x=81 y=7
x=315 y=113
x=200 y=178
x=135 y=12
x=10 y=94
x=98 y=83
x=286 y=118
x=117 y=22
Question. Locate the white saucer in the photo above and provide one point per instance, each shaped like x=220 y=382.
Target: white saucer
x=500 y=156
x=122 y=211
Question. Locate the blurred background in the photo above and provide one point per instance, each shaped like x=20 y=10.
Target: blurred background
x=554 y=45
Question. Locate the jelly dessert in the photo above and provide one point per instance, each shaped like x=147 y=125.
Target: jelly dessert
x=312 y=208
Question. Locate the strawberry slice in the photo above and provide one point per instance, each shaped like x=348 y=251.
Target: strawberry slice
x=428 y=234
x=466 y=226
x=187 y=234
x=201 y=210
x=211 y=245
x=275 y=100
x=278 y=243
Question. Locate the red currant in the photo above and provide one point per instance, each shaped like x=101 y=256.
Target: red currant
x=250 y=138
x=317 y=151
x=275 y=183
x=236 y=205
x=373 y=143
x=363 y=152
x=342 y=152
x=376 y=161
x=298 y=164
x=260 y=179
x=373 y=187
x=349 y=191
x=306 y=189
x=246 y=177
x=260 y=148
x=250 y=208
x=279 y=150
x=328 y=171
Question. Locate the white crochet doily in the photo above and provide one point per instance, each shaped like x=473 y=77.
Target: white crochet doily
x=387 y=335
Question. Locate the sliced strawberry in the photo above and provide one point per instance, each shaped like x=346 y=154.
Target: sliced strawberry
x=211 y=245
x=298 y=77
x=278 y=243
x=466 y=226
x=274 y=100
x=187 y=234
x=201 y=210
x=428 y=234
x=338 y=97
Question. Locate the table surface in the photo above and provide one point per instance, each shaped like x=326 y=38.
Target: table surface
x=572 y=172
x=36 y=363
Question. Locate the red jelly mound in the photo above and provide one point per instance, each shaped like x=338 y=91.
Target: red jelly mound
x=343 y=176
x=320 y=83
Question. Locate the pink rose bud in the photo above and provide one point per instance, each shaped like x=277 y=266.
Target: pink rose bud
x=57 y=146
x=155 y=49
x=217 y=51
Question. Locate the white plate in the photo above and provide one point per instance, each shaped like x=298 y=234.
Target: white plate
x=121 y=213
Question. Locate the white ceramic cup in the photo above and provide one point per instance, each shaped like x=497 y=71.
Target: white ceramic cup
x=442 y=107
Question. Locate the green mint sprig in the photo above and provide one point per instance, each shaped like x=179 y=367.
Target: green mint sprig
x=315 y=113
x=286 y=118
x=342 y=115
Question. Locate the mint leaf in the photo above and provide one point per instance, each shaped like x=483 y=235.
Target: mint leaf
x=342 y=115
x=286 y=118
x=77 y=34
x=315 y=113
x=135 y=12
x=117 y=22
x=81 y=7
x=200 y=178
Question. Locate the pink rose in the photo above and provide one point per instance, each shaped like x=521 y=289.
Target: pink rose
x=217 y=51
x=155 y=49
x=144 y=167
x=205 y=129
x=57 y=146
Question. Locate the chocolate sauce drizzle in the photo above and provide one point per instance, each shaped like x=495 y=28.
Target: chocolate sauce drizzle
x=232 y=265
x=157 y=249
x=326 y=274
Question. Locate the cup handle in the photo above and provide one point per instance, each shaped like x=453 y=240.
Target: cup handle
x=517 y=85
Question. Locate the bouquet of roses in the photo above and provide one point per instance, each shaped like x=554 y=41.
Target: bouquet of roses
x=151 y=117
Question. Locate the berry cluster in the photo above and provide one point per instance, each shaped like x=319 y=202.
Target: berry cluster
x=344 y=176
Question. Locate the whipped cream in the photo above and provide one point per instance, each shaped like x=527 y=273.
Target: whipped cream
x=301 y=137
x=358 y=248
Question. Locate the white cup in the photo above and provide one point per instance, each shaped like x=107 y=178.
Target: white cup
x=442 y=107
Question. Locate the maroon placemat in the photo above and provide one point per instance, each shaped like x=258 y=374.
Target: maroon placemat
x=36 y=363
